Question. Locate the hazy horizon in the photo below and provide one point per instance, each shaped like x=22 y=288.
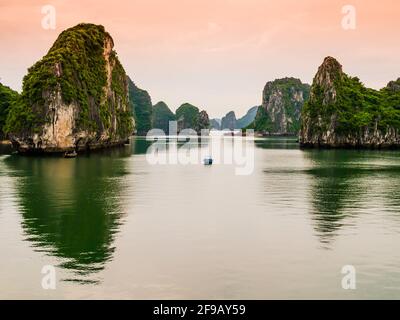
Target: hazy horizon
x=217 y=55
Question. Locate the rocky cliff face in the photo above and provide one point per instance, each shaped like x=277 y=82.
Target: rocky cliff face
x=190 y=117
x=215 y=124
x=204 y=121
x=75 y=98
x=394 y=86
x=248 y=118
x=281 y=107
x=8 y=97
x=342 y=112
x=229 y=121
x=141 y=108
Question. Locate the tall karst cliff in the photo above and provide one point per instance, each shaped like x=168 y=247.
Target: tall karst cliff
x=229 y=121
x=215 y=124
x=281 y=107
x=74 y=98
x=190 y=117
x=8 y=97
x=142 y=108
x=248 y=118
x=162 y=115
x=342 y=112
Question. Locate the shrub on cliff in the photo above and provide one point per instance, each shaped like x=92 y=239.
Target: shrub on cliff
x=342 y=111
x=162 y=115
x=141 y=107
x=8 y=97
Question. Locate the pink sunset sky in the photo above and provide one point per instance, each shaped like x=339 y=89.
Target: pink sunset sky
x=215 y=54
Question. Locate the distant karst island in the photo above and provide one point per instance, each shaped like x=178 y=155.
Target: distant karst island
x=78 y=97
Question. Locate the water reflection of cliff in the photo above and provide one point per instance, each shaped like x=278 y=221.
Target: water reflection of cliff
x=71 y=207
x=277 y=143
x=345 y=184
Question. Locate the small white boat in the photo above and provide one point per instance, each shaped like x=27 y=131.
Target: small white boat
x=208 y=161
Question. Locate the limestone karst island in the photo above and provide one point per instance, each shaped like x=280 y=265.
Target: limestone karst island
x=78 y=97
x=199 y=149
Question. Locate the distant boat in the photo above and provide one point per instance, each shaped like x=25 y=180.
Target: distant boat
x=70 y=154
x=208 y=161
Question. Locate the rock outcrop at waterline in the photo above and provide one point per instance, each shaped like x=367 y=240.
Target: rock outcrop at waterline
x=342 y=112
x=74 y=98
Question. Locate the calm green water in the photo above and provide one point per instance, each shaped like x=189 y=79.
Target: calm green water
x=115 y=226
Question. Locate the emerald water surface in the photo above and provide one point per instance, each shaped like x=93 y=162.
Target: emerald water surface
x=115 y=226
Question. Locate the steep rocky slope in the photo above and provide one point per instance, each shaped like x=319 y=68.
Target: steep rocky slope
x=229 y=121
x=162 y=115
x=141 y=108
x=215 y=124
x=281 y=107
x=190 y=117
x=8 y=97
x=75 y=97
x=248 y=118
x=342 y=112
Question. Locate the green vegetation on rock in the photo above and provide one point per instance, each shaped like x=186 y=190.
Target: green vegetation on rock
x=343 y=112
x=280 y=112
x=190 y=117
x=8 y=97
x=162 y=115
x=141 y=107
x=75 y=67
x=262 y=122
x=248 y=118
x=187 y=116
